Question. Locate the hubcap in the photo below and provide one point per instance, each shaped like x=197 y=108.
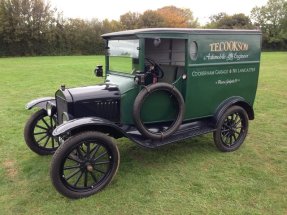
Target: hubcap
x=90 y=168
x=49 y=132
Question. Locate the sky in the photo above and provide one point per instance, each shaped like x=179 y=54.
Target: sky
x=113 y=9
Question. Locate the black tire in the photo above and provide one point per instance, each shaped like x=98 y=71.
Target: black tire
x=231 y=130
x=84 y=164
x=139 y=101
x=38 y=133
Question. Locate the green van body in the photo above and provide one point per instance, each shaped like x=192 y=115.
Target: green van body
x=215 y=65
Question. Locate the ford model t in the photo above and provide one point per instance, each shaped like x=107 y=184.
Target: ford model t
x=160 y=86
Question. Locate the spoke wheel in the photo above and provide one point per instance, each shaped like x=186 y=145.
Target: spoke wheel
x=84 y=164
x=232 y=129
x=38 y=133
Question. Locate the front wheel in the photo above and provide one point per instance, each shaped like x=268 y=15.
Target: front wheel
x=84 y=164
x=232 y=129
x=38 y=133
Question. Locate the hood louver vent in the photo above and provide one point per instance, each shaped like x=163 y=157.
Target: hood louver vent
x=108 y=109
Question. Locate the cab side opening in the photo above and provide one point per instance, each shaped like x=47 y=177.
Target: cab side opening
x=169 y=54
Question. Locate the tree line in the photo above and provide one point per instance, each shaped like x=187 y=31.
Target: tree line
x=33 y=27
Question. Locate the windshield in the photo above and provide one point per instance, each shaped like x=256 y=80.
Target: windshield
x=123 y=55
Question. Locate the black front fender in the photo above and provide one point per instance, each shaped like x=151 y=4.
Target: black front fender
x=88 y=123
x=40 y=102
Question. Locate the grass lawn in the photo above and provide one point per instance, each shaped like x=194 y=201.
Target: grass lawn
x=191 y=177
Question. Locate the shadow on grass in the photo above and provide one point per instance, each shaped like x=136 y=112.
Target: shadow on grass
x=136 y=162
x=197 y=145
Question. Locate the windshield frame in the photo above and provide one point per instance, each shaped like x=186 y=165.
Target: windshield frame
x=140 y=55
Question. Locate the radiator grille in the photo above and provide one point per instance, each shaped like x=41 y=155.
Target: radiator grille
x=61 y=107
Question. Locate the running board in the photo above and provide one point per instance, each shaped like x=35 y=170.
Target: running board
x=185 y=131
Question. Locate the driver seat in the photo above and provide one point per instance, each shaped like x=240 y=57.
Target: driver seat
x=169 y=73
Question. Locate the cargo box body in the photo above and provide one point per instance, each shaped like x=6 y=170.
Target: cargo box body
x=225 y=66
x=208 y=67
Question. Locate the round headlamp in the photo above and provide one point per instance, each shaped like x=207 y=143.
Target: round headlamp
x=65 y=117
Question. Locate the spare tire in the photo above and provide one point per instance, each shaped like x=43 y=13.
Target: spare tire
x=139 y=101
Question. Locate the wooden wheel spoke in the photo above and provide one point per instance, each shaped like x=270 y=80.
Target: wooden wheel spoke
x=44 y=132
x=236 y=118
x=233 y=135
x=88 y=149
x=82 y=149
x=73 y=174
x=94 y=151
x=86 y=178
x=102 y=162
x=47 y=141
x=42 y=138
x=98 y=170
x=78 y=179
x=80 y=153
x=38 y=126
x=225 y=130
x=232 y=117
x=239 y=121
x=44 y=121
x=74 y=159
x=101 y=155
x=53 y=142
x=94 y=177
x=240 y=127
x=230 y=140
x=71 y=167
x=51 y=122
x=237 y=132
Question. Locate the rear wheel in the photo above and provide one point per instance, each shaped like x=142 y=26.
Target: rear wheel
x=38 y=133
x=84 y=164
x=232 y=129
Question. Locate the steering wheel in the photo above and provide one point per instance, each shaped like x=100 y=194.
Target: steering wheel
x=157 y=70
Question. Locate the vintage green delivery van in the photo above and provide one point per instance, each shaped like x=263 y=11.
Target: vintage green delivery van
x=159 y=86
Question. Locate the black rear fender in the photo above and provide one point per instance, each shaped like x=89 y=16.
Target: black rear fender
x=239 y=101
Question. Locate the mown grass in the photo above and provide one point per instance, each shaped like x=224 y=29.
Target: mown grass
x=190 y=177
